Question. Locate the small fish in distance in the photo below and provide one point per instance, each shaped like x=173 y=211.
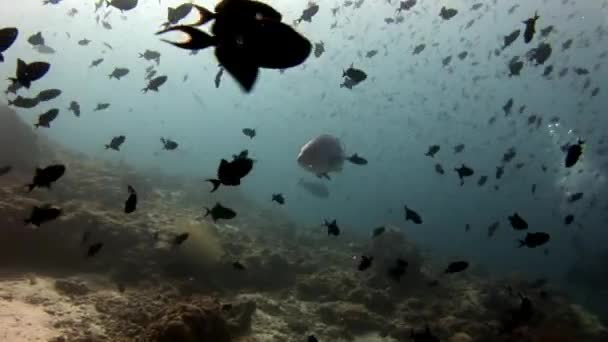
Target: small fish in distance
x=365 y=263
x=574 y=153
x=278 y=198
x=533 y=240
x=411 y=215
x=457 y=266
x=169 y=144
x=43 y=214
x=357 y=160
x=45 y=119
x=219 y=212
x=131 y=203
x=116 y=142
x=231 y=173
x=332 y=227
x=517 y=222
x=94 y=249
x=250 y=132
x=530 y=28
x=43 y=178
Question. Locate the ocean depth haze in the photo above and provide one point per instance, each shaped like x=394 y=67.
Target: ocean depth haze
x=449 y=88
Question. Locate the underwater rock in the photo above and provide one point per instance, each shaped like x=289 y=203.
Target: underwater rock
x=70 y=287
x=199 y=321
x=460 y=337
x=352 y=318
x=238 y=317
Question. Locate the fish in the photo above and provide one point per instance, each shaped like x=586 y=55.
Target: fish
x=463 y=55
x=447 y=13
x=575 y=197
x=45 y=119
x=47 y=95
x=540 y=54
x=4 y=170
x=322 y=155
x=378 y=231
x=28 y=73
x=122 y=5
x=530 y=28
x=464 y=171
x=219 y=212
x=492 y=228
x=269 y=43
x=457 y=266
x=425 y=336
x=568 y=219
x=574 y=153
x=515 y=66
x=169 y=144
x=231 y=173
x=96 y=62
x=406 y=5
x=94 y=249
x=332 y=227
x=508 y=106
x=150 y=75
x=84 y=42
x=118 y=73
x=510 y=38
x=238 y=266
x=500 y=170
x=316 y=189
x=180 y=238
x=101 y=106
x=278 y=198
x=155 y=83
x=8 y=35
x=411 y=215
x=75 y=108
x=357 y=160
x=43 y=214
x=308 y=13
x=365 y=263
x=106 y=25
x=482 y=180
x=151 y=55
x=517 y=222
x=353 y=76
x=108 y=46
x=371 y=53
x=397 y=271
x=131 y=203
x=174 y=15
x=24 y=102
x=43 y=178
x=319 y=49
x=433 y=149
x=533 y=240
x=36 y=39
x=418 y=49
x=116 y=142
x=459 y=148
x=446 y=61
x=250 y=132
x=218 y=77
x=53 y=2
x=439 y=169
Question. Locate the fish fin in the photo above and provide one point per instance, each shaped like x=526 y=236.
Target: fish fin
x=205 y=15
x=130 y=189
x=197 y=40
x=215 y=182
x=207 y=211
x=238 y=64
x=521 y=243
x=141 y=55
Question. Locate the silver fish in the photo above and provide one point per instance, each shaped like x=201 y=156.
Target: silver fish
x=322 y=155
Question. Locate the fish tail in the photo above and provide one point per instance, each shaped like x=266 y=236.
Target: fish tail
x=30 y=187
x=108 y=3
x=205 y=15
x=145 y=90
x=141 y=55
x=207 y=212
x=36 y=125
x=107 y=147
x=1 y=58
x=215 y=182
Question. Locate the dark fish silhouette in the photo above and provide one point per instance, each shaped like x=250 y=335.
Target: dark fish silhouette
x=574 y=153
x=411 y=215
x=406 y=5
x=278 y=198
x=84 y=42
x=28 y=73
x=43 y=214
x=319 y=49
x=218 y=77
x=155 y=83
x=530 y=28
x=397 y=271
x=174 y=15
x=45 y=119
x=24 y=102
x=533 y=240
x=264 y=41
x=433 y=149
x=250 y=132
x=463 y=172
x=116 y=142
x=131 y=203
x=151 y=55
x=439 y=169
x=101 y=106
x=447 y=13
x=75 y=108
x=122 y=5
x=308 y=13
x=568 y=219
x=179 y=239
x=365 y=263
x=575 y=197
x=118 y=73
x=352 y=77
x=482 y=180
x=517 y=222
x=36 y=39
x=43 y=178
x=48 y=94
x=332 y=227
x=96 y=62
x=457 y=266
x=492 y=228
x=169 y=144
x=94 y=249
x=231 y=173
x=357 y=160
x=515 y=66
x=5 y=170
x=219 y=212
x=378 y=231
x=8 y=36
